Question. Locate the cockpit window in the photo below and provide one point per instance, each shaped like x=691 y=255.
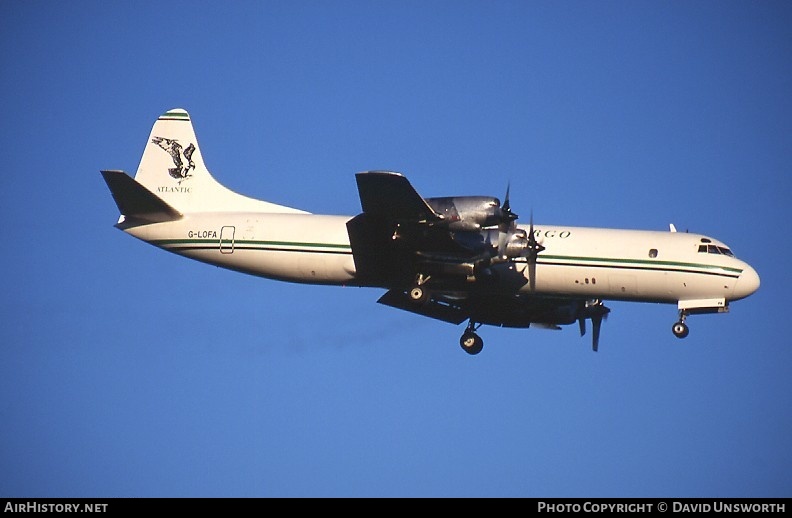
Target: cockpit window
x=713 y=249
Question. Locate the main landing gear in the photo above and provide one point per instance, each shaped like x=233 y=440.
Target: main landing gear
x=470 y=342
x=680 y=329
x=419 y=295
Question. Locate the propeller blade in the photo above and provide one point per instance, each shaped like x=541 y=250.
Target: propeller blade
x=596 y=321
x=531 y=255
x=531 y=236
x=506 y=225
x=532 y=273
x=507 y=216
x=582 y=322
x=503 y=238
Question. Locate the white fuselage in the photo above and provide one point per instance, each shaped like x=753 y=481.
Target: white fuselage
x=442 y=266
x=613 y=264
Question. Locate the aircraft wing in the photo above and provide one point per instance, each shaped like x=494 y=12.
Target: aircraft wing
x=381 y=236
x=498 y=310
x=390 y=196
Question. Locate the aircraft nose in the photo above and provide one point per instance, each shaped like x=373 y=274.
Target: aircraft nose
x=747 y=284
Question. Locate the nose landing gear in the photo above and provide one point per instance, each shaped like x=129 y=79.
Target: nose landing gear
x=471 y=342
x=680 y=329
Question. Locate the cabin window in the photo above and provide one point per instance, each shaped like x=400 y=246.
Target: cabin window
x=653 y=253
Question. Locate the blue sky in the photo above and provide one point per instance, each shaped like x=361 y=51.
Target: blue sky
x=128 y=371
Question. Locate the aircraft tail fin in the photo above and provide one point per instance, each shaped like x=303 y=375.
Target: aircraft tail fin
x=137 y=202
x=172 y=168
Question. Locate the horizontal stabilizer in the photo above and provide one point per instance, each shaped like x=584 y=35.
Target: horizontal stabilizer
x=432 y=308
x=390 y=196
x=135 y=201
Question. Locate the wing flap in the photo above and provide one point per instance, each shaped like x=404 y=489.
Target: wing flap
x=432 y=309
x=378 y=260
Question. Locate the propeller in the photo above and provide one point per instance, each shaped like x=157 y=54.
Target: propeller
x=596 y=311
x=532 y=251
x=506 y=211
x=506 y=229
x=506 y=225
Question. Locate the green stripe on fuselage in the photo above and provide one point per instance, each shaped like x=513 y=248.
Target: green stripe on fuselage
x=244 y=242
x=573 y=260
x=637 y=262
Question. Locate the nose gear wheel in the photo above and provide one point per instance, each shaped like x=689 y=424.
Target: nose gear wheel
x=471 y=342
x=680 y=329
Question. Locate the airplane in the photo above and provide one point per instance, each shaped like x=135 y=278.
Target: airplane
x=454 y=259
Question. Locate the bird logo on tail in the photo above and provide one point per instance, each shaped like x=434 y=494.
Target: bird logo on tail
x=171 y=146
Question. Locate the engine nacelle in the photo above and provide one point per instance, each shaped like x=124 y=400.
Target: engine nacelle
x=522 y=313
x=515 y=242
x=468 y=213
x=463 y=270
